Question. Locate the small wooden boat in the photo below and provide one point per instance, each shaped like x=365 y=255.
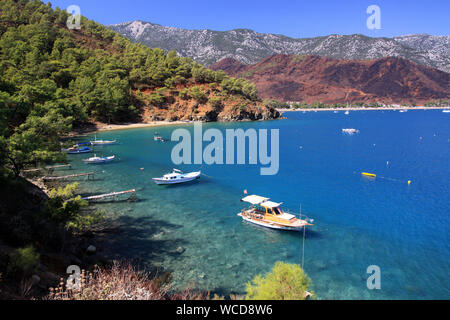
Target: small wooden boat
x=99 y=160
x=266 y=213
x=76 y=150
x=177 y=177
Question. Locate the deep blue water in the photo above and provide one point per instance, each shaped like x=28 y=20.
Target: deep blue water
x=404 y=229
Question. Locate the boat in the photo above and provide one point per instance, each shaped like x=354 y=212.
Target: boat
x=102 y=142
x=177 y=177
x=99 y=160
x=370 y=175
x=76 y=150
x=159 y=138
x=347 y=112
x=82 y=144
x=403 y=110
x=350 y=131
x=266 y=213
x=446 y=111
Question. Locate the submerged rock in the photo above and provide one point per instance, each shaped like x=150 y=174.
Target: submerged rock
x=91 y=249
x=180 y=249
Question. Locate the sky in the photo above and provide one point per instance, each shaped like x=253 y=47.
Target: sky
x=294 y=18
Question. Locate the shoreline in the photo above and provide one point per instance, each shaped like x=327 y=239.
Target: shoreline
x=362 y=109
x=103 y=127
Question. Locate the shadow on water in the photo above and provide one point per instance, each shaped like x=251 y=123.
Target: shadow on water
x=138 y=239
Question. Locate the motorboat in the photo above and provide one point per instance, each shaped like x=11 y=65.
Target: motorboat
x=266 y=213
x=177 y=177
x=99 y=160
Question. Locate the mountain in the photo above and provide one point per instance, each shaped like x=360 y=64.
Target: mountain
x=249 y=47
x=309 y=79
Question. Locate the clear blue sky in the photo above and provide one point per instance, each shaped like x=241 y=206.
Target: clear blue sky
x=295 y=18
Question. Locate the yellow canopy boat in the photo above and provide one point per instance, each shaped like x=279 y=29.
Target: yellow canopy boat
x=269 y=214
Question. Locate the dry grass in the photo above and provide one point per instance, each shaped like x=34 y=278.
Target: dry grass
x=121 y=282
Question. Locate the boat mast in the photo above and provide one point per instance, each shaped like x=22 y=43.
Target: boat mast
x=304 y=234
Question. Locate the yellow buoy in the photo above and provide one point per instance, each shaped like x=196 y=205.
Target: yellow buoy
x=369 y=174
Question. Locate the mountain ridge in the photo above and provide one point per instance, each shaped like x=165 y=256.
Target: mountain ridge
x=248 y=46
x=310 y=79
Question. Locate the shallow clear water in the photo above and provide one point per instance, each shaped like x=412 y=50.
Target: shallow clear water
x=404 y=229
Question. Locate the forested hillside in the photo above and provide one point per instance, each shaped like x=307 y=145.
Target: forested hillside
x=53 y=79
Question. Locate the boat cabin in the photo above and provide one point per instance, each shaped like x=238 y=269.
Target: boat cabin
x=270 y=210
x=172 y=176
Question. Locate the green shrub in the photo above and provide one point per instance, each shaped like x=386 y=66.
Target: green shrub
x=70 y=211
x=285 y=282
x=184 y=94
x=24 y=259
x=216 y=103
x=198 y=95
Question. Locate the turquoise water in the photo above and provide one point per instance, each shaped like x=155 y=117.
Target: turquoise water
x=193 y=231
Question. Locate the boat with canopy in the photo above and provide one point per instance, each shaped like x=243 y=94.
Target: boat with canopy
x=269 y=214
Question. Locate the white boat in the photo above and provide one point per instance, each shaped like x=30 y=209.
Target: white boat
x=403 y=110
x=347 y=112
x=177 y=177
x=350 y=131
x=102 y=142
x=97 y=160
x=266 y=213
x=446 y=111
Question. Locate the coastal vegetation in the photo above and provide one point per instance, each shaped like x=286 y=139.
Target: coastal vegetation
x=284 y=282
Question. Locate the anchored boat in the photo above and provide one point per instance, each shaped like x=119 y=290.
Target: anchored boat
x=266 y=213
x=76 y=150
x=177 y=177
x=102 y=142
x=99 y=160
x=350 y=131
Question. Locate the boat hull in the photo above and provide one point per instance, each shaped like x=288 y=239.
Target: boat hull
x=99 y=161
x=161 y=181
x=271 y=225
x=102 y=143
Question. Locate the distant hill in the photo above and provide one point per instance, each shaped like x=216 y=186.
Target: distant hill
x=312 y=78
x=249 y=47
